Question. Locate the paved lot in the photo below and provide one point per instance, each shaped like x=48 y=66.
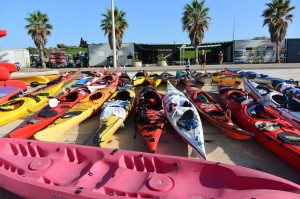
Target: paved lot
x=219 y=148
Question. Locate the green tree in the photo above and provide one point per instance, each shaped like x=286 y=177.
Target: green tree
x=195 y=20
x=120 y=26
x=39 y=28
x=276 y=17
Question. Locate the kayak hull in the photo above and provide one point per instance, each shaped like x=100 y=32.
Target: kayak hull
x=57 y=170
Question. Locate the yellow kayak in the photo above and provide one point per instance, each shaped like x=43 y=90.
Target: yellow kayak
x=154 y=79
x=78 y=113
x=114 y=112
x=230 y=80
x=139 y=78
x=39 y=79
x=52 y=77
x=19 y=107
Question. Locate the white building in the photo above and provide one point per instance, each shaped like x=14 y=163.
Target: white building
x=15 y=55
x=102 y=54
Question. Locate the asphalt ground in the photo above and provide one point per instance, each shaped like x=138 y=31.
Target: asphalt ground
x=219 y=148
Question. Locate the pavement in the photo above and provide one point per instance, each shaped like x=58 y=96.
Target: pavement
x=219 y=148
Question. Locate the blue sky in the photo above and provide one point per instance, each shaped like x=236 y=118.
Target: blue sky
x=150 y=21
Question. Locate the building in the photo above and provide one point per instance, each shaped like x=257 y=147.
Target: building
x=237 y=51
x=15 y=55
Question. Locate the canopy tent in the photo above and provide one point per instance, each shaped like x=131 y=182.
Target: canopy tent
x=3 y=33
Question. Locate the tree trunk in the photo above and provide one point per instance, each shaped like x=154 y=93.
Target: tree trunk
x=277 y=53
x=196 y=55
x=41 y=53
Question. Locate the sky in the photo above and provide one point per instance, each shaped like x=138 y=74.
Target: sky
x=150 y=21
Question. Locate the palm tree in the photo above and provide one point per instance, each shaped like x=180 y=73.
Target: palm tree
x=276 y=16
x=120 y=26
x=195 y=20
x=39 y=28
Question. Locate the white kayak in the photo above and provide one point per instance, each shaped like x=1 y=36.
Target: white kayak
x=184 y=118
x=27 y=74
x=289 y=109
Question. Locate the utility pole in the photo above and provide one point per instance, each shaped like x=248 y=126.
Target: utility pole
x=233 y=56
x=114 y=33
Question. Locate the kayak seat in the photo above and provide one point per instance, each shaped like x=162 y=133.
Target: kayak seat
x=71 y=97
x=202 y=98
x=216 y=113
x=237 y=97
x=255 y=110
x=187 y=120
x=47 y=113
x=123 y=95
x=187 y=115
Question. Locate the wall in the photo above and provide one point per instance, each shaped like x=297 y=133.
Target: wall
x=15 y=55
x=256 y=51
x=293 y=50
x=98 y=54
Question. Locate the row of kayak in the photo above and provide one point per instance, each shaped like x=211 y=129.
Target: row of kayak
x=152 y=108
x=73 y=171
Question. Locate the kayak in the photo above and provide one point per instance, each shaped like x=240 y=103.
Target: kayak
x=182 y=74
x=32 y=169
x=184 y=118
x=9 y=66
x=220 y=76
x=284 y=87
x=88 y=106
x=26 y=74
x=40 y=79
x=124 y=79
x=288 y=107
x=154 y=79
x=165 y=76
x=203 y=78
x=270 y=129
x=4 y=74
x=214 y=113
x=14 y=83
x=8 y=93
x=139 y=78
x=105 y=81
x=21 y=106
x=149 y=117
x=113 y=114
x=49 y=113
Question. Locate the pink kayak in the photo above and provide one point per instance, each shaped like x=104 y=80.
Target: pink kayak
x=35 y=169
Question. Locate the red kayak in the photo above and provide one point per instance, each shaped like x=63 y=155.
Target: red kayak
x=35 y=169
x=49 y=113
x=149 y=116
x=6 y=81
x=14 y=83
x=124 y=79
x=9 y=93
x=214 y=113
x=104 y=82
x=270 y=129
x=10 y=67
